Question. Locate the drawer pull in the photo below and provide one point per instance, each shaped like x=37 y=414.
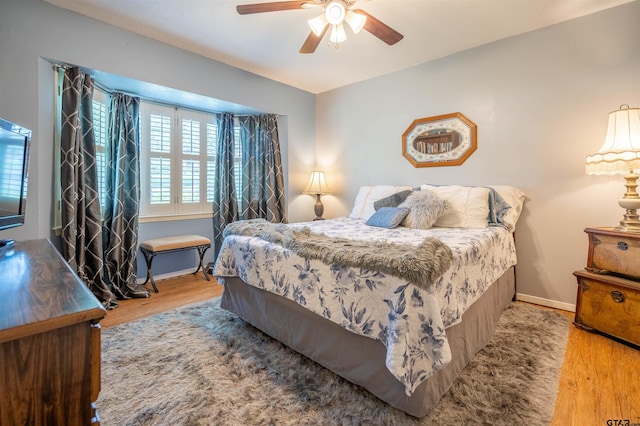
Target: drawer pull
x=617 y=296
x=622 y=245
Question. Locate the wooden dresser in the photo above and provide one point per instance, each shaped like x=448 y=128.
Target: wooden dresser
x=609 y=287
x=49 y=340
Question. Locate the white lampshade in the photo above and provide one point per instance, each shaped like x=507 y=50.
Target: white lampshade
x=317 y=24
x=620 y=152
x=620 y=155
x=317 y=184
x=355 y=20
x=337 y=34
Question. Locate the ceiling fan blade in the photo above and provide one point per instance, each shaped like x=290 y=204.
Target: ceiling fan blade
x=312 y=42
x=274 y=6
x=379 y=29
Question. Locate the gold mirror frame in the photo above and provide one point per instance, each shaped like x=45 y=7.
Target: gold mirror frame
x=442 y=140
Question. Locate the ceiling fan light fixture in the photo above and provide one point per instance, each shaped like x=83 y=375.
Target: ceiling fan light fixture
x=337 y=34
x=317 y=24
x=355 y=20
x=335 y=12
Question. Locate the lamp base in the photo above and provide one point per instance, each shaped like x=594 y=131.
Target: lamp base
x=318 y=208
x=631 y=203
x=630 y=222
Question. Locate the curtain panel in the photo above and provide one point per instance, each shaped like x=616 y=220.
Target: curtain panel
x=122 y=189
x=80 y=205
x=262 y=177
x=225 y=205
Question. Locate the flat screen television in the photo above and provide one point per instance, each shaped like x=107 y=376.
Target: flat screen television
x=15 y=142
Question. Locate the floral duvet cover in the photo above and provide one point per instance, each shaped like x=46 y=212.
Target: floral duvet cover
x=408 y=320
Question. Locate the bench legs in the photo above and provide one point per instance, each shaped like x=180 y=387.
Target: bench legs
x=148 y=257
x=201 y=251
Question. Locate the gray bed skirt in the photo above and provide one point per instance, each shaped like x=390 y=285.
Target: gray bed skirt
x=359 y=359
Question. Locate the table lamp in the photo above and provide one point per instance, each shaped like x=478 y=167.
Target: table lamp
x=317 y=186
x=620 y=155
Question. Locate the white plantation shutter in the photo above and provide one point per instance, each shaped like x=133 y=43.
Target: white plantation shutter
x=157 y=186
x=159 y=181
x=193 y=161
x=190 y=181
x=177 y=161
x=212 y=138
x=159 y=154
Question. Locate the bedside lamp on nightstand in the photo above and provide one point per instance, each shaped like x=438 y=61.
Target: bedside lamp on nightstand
x=608 y=299
x=317 y=186
x=620 y=155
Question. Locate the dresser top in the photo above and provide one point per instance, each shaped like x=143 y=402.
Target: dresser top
x=39 y=292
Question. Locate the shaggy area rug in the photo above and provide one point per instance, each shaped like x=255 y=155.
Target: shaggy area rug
x=201 y=365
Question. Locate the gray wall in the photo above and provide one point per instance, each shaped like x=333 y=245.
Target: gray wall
x=31 y=30
x=540 y=101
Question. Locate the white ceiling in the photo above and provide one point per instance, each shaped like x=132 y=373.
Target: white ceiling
x=267 y=44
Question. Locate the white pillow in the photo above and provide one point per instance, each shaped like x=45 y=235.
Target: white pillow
x=367 y=195
x=358 y=204
x=469 y=206
x=515 y=198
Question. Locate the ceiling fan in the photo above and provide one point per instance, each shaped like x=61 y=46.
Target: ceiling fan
x=335 y=14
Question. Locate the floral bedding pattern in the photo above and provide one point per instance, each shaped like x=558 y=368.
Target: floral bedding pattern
x=408 y=320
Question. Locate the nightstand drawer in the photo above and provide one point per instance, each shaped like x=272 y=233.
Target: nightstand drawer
x=614 y=251
x=609 y=304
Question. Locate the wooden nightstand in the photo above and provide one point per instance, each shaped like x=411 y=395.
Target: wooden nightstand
x=608 y=298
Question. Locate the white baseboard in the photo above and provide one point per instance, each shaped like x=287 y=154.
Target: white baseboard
x=546 y=302
x=168 y=275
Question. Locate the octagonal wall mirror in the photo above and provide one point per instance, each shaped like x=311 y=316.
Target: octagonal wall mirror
x=442 y=140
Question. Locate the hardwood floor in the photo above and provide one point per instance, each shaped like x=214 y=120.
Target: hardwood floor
x=173 y=292
x=599 y=383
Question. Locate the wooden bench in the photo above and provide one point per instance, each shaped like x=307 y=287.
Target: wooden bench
x=151 y=248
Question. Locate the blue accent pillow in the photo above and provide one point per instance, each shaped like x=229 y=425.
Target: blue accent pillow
x=388 y=217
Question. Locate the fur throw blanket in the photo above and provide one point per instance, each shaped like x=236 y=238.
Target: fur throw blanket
x=421 y=265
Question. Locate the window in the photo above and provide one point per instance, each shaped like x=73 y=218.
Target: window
x=177 y=157
x=177 y=160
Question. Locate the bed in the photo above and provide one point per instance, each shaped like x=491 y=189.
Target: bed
x=403 y=339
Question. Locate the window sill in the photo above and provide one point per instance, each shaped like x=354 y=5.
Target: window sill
x=173 y=217
x=57 y=230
